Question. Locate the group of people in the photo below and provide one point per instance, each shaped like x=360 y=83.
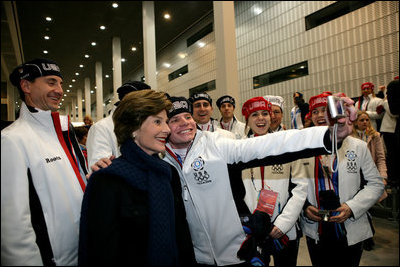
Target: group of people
x=165 y=184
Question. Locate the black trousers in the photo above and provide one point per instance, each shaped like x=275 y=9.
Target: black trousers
x=334 y=253
x=285 y=257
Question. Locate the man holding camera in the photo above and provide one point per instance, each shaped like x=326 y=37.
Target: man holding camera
x=334 y=218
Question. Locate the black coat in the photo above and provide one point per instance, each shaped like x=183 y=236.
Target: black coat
x=115 y=221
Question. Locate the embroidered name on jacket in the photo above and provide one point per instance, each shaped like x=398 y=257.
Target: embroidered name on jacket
x=49 y=160
x=351 y=161
x=200 y=175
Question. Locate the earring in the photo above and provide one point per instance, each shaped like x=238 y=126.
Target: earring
x=133 y=135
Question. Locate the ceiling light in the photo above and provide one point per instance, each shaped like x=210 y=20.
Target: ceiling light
x=48 y=19
x=70 y=85
x=73 y=80
x=107 y=76
x=68 y=90
x=45 y=52
x=167 y=65
x=65 y=94
x=114 y=5
x=92 y=92
x=93 y=43
x=81 y=66
x=102 y=27
x=123 y=59
x=46 y=37
x=257 y=11
x=62 y=100
x=83 y=100
x=77 y=73
x=201 y=44
x=86 y=56
x=182 y=55
x=133 y=48
x=167 y=16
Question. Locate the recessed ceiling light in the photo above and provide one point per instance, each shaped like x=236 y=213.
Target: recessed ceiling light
x=93 y=43
x=87 y=56
x=45 y=52
x=257 y=11
x=102 y=27
x=83 y=100
x=73 y=80
x=81 y=66
x=167 y=16
x=48 y=19
x=47 y=37
x=182 y=55
x=107 y=76
x=114 y=5
x=65 y=94
x=92 y=92
x=133 y=48
x=201 y=44
x=68 y=90
x=70 y=85
x=77 y=73
x=123 y=59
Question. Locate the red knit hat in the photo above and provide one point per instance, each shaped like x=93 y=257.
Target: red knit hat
x=255 y=104
x=367 y=85
x=319 y=100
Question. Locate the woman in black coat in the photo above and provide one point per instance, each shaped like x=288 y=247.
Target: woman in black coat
x=132 y=211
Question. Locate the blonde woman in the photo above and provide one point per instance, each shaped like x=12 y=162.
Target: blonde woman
x=363 y=130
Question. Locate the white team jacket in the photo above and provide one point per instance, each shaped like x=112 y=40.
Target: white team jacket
x=238 y=128
x=276 y=178
x=31 y=143
x=213 y=220
x=101 y=141
x=354 y=157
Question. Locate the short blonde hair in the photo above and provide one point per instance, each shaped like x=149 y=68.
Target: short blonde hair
x=134 y=109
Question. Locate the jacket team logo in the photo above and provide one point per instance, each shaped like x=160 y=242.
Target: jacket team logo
x=351 y=161
x=277 y=169
x=198 y=164
x=200 y=175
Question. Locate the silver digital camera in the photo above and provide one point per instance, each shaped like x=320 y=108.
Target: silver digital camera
x=325 y=214
x=336 y=107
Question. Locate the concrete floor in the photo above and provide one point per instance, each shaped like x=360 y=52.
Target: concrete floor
x=385 y=252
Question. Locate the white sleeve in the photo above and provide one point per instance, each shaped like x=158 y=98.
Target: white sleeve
x=372 y=113
x=98 y=144
x=371 y=192
x=293 y=207
x=273 y=144
x=18 y=239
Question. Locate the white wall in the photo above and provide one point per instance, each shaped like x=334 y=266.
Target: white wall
x=342 y=54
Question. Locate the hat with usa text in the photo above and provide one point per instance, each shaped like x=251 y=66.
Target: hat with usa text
x=33 y=69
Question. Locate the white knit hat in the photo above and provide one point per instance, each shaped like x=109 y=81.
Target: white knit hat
x=275 y=100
